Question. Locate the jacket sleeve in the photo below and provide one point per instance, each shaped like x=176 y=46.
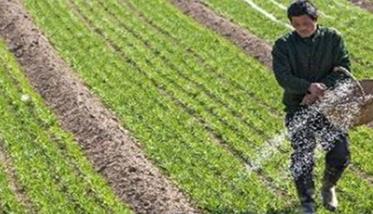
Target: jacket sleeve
x=340 y=58
x=282 y=70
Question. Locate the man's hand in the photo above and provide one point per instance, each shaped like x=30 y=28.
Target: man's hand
x=317 y=89
x=309 y=99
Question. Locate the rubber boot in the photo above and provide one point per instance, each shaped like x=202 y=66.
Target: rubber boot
x=329 y=197
x=328 y=193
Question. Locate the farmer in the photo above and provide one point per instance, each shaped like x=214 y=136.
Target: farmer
x=303 y=62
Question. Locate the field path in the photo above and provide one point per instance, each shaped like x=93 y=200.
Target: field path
x=111 y=149
x=365 y=4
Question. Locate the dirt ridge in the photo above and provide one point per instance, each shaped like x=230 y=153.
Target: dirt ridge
x=112 y=150
x=251 y=44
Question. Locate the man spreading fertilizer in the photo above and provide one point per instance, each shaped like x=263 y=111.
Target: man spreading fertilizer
x=303 y=63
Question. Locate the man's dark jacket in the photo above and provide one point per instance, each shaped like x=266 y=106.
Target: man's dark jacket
x=298 y=62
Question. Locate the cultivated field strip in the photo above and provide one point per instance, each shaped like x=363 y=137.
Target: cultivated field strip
x=249 y=131
x=232 y=178
x=190 y=53
x=43 y=156
x=230 y=67
x=177 y=114
x=361 y=136
x=362 y=187
x=110 y=148
x=234 y=151
x=362 y=165
x=216 y=73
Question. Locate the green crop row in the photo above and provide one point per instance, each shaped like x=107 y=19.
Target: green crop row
x=50 y=166
x=243 y=135
x=172 y=137
x=286 y=184
x=155 y=72
x=242 y=13
x=215 y=53
x=363 y=133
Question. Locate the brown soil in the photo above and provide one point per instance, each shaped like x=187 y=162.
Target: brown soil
x=365 y=4
x=110 y=148
x=252 y=45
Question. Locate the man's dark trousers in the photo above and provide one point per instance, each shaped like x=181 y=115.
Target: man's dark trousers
x=304 y=127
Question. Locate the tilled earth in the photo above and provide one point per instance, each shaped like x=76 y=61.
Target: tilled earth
x=112 y=150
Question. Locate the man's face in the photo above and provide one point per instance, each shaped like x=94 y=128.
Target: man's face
x=304 y=25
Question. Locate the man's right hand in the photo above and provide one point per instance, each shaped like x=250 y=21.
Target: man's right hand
x=317 y=89
x=309 y=99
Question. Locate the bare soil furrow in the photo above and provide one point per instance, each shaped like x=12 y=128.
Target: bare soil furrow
x=61 y=146
x=169 y=63
x=121 y=52
x=251 y=44
x=131 y=175
x=267 y=181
